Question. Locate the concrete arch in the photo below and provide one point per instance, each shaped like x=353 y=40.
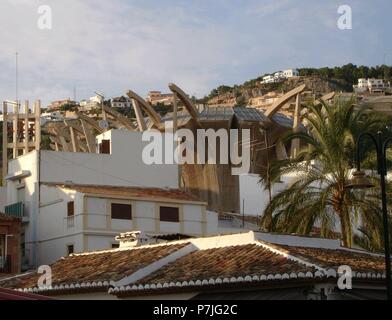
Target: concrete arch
x=156 y=119
x=283 y=100
x=186 y=101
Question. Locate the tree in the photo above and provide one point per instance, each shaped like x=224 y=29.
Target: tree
x=67 y=107
x=323 y=168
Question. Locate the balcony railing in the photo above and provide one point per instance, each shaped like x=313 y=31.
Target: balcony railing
x=15 y=210
x=70 y=222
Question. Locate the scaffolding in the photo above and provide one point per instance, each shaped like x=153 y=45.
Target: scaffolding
x=21 y=131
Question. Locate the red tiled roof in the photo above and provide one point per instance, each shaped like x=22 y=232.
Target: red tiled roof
x=328 y=258
x=101 y=266
x=235 y=261
x=204 y=262
x=131 y=192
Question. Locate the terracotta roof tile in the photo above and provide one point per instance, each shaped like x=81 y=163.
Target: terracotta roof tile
x=226 y=262
x=110 y=265
x=328 y=258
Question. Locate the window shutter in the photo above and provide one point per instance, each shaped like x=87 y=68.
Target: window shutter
x=70 y=208
x=121 y=211
x=169 y=214
x=104 y=147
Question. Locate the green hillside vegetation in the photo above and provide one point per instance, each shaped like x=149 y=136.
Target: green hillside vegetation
x=343 y=77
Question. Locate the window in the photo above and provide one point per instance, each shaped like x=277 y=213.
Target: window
x=70 y=249
x=115 y=245
x=121 y=211
x=70 y=208
x=104 y=147
x=169 y=214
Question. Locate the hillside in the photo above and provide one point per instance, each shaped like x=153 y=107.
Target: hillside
x=318 y=81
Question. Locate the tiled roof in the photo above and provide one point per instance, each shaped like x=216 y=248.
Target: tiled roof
x=234 y=261
x=131 y=192
x=97 y=269
x=327 y=258
x=228 y=261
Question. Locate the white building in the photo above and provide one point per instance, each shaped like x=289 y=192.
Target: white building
x=74 y=202
x=51 y=116
x=121 y=102
x=371 y=85
x=289 y=73
x=92 y=103
x=270 y=79
x=280 y=76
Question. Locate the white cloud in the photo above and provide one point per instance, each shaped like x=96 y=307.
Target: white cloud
x=111 y=46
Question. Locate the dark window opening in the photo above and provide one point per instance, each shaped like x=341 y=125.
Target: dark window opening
x=115 y=245
x=70 y=249
x=70 y=208
x=104 y=146
x=169 y=214
x=121 y=211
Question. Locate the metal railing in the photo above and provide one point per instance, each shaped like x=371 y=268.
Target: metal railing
x=15 y=210
x=70 y=222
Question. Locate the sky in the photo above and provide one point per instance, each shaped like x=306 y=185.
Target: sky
x=113 y=46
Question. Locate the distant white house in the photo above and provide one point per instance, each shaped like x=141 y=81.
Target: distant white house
x=51 y=116
x=371 y=85
x=270 y=79
x=289 y=73
x=90 y=104
x=121 y=102
x=280 y=76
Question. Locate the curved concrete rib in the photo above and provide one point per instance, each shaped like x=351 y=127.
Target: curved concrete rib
x=139 y=116
x=325 y=97
x=187 y=103
x=156 y=119
x=283 y=100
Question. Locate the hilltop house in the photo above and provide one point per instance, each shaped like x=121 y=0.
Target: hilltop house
x=371 y=85
x=155 y=97
x=121 y=102
x=75 y=202
x=239 y=266
x=280 y=76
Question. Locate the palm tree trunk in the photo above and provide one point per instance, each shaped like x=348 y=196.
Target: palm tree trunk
x=345 y=225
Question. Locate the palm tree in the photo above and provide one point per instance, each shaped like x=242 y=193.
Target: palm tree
x=322 y=170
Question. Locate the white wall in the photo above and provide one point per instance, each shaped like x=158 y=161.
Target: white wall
x=51 y=251
x=99 y=242
x=55 y=229
x=129 y=166
x=254 y=195
x=144 y=217
x=28 y=162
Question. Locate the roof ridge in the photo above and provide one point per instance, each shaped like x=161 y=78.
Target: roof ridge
x=153 y=245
